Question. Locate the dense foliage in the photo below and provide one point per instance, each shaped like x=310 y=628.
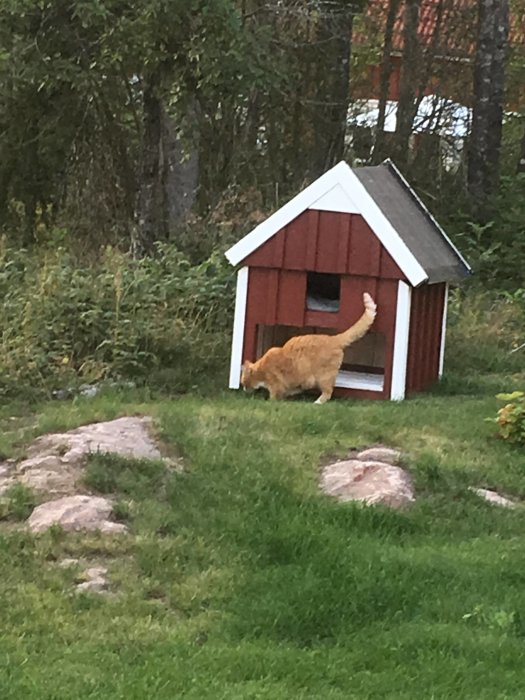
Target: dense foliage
x=157 y=319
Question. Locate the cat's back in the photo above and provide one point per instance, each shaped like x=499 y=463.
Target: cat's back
x=308 y=340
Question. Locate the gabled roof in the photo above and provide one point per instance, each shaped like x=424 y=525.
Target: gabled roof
x=426 y=239
x=390 y=207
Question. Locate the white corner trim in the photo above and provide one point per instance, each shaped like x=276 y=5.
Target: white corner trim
x=401 y=334
x=443 y=333
x=335 y=199
x=300 y=203
x=239 y=321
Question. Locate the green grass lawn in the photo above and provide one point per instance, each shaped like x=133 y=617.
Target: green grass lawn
x=240 y=580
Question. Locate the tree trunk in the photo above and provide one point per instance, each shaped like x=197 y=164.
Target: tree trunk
x=386 y=71
x=521 y=161
x=168 y=174
x=408 y=82
x=487 y=116
x=334 y=37
x=180 y=171
x=149 y=225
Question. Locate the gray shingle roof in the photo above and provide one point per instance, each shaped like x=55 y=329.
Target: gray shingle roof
x=411 y=219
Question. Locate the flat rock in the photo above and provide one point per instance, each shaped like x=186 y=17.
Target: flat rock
x=95 y=585
x=379 y=454
x=75 y=513
x=54 y=462
x=370 y=482
x=7 y=478
x=95 y=572
x=68 y=563
x=494 y=498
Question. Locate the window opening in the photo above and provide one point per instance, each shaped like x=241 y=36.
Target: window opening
x=323 y=292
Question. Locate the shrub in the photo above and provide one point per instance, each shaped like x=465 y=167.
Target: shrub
x=511 y=417
x=485 y=332
x=17 y=503
x=64 y=322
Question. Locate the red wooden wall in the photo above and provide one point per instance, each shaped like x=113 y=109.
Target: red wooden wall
x=424 y=345
x=330 y=242
x=326 y=241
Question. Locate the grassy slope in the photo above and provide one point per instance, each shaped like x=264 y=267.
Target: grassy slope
x=243 y=582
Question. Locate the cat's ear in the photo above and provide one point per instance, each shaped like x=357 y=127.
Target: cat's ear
x=247 y=366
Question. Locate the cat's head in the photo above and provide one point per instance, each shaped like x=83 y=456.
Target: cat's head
x=250 y=378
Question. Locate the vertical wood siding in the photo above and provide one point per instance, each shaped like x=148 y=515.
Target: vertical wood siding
x=278 y=297
x=426 y=316
x=342 y=244
x=324 y=241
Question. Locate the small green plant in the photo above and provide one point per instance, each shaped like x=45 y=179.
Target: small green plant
x=17 y=503
x=510 y=418
x=508 y=623
x=111 y=473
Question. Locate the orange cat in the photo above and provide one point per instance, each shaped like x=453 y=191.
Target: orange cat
x=306 y=361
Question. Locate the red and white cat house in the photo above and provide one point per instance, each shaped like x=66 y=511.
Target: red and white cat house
x=305 y=268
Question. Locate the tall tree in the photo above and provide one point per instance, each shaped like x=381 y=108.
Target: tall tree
x=487 y=116
x=521 y=161
x=409 y=80
x=384 y=80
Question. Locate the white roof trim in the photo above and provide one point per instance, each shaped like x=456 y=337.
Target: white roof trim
x=340 y=175
x=284 y=215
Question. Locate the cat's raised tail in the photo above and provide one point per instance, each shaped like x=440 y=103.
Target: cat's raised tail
x=360 y=327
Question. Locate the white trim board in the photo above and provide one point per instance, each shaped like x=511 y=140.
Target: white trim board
x=360 y=380
x=443 y=333
x=401 y=334
x=239 y=320
x=341 y=179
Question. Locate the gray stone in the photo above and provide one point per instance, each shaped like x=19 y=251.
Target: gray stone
x=494 y=498
x=5 y=484
x=75 y=513
x=7 y=478
x=94 y=585
x=379 y=454
x=54 y=462
x=369 y=482
x=7 y=467
x=95 y=572
x=68 y=563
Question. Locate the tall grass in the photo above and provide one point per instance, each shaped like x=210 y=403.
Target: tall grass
x=484 y=337
x=158 y=319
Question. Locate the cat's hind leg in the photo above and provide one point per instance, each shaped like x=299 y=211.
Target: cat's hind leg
x=326 y=385
x=276 y=395
x=326 y=394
